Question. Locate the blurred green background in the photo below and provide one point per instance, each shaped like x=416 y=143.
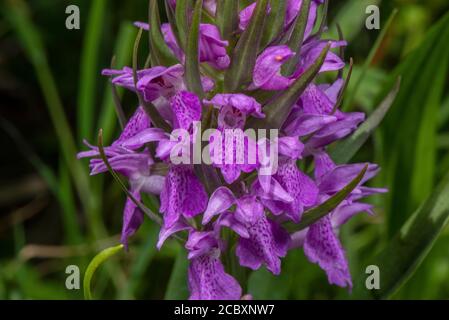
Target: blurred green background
x=52 y=96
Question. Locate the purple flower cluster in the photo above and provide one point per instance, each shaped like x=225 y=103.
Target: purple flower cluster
x=253 y=207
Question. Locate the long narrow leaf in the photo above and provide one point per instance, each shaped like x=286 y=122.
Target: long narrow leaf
x=275 y=21
x=181 y=11
x=89 y=69
x=344 y=151
x=227 y=18
x=192 y=72
x=32 y=42
x=370 y=59
x=297 y=37
x=315 y=214
x=245 y=53
x=177 y=285
x=123 y=53
x=159 y=49
x=408 y=248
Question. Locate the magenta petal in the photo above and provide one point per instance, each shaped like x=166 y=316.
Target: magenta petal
x=136 y=124
x=209 y=281
x=302 y=124
x=142 y=25
x=165 y=233
x=299 y=186
x=246 y=14
x=266 y=244
x=170 y=40
x=246 y=104
x=183 y=194
x=321 y=246
x=266 y=74
x=230 y=172
x=272 y=191
x=220 y=201
x=336 y=131
x=290 y=147
x=344 y=212
x=228 y=220
x=341 y=176
x=186 y=108
x=323 y=165
x=132 y=218
x=212 y=47
x=143 y=137
x=315 y=101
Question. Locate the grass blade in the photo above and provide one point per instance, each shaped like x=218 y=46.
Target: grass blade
x=344 y=150
x=177 y=286
x=123 y=53
x=98 y=260
x=89 y=69
x=408 y=248
x=20 y=19
x=369 y=60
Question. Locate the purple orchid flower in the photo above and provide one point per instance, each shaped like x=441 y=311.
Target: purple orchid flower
x=262 y=241
x=292 y=11
x=212 y=47
x=289 y=191
x=207 y=278
x=267 y=71
x=315 y=115
x=136 y=166
x=233 y=111
x=320 y=242
x=266 y=195
x=182 y=195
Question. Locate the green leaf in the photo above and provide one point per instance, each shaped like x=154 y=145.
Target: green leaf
x=93 y=266
x=275 y=21
x=351 y=17
x=19 y=16
x=369 y=60
x=177 y=285
x=159 y=49
x=245 y=53
x=344 y=150
x=89 y=69
x=313 y=215
x=278 y=109
x=227 y=18
x=182 y=9
x=410 y=123
x=171 y=17
x=192 y=69
x=123 y=53
x=297 y=37
x=138 y=268
x=409 y=246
